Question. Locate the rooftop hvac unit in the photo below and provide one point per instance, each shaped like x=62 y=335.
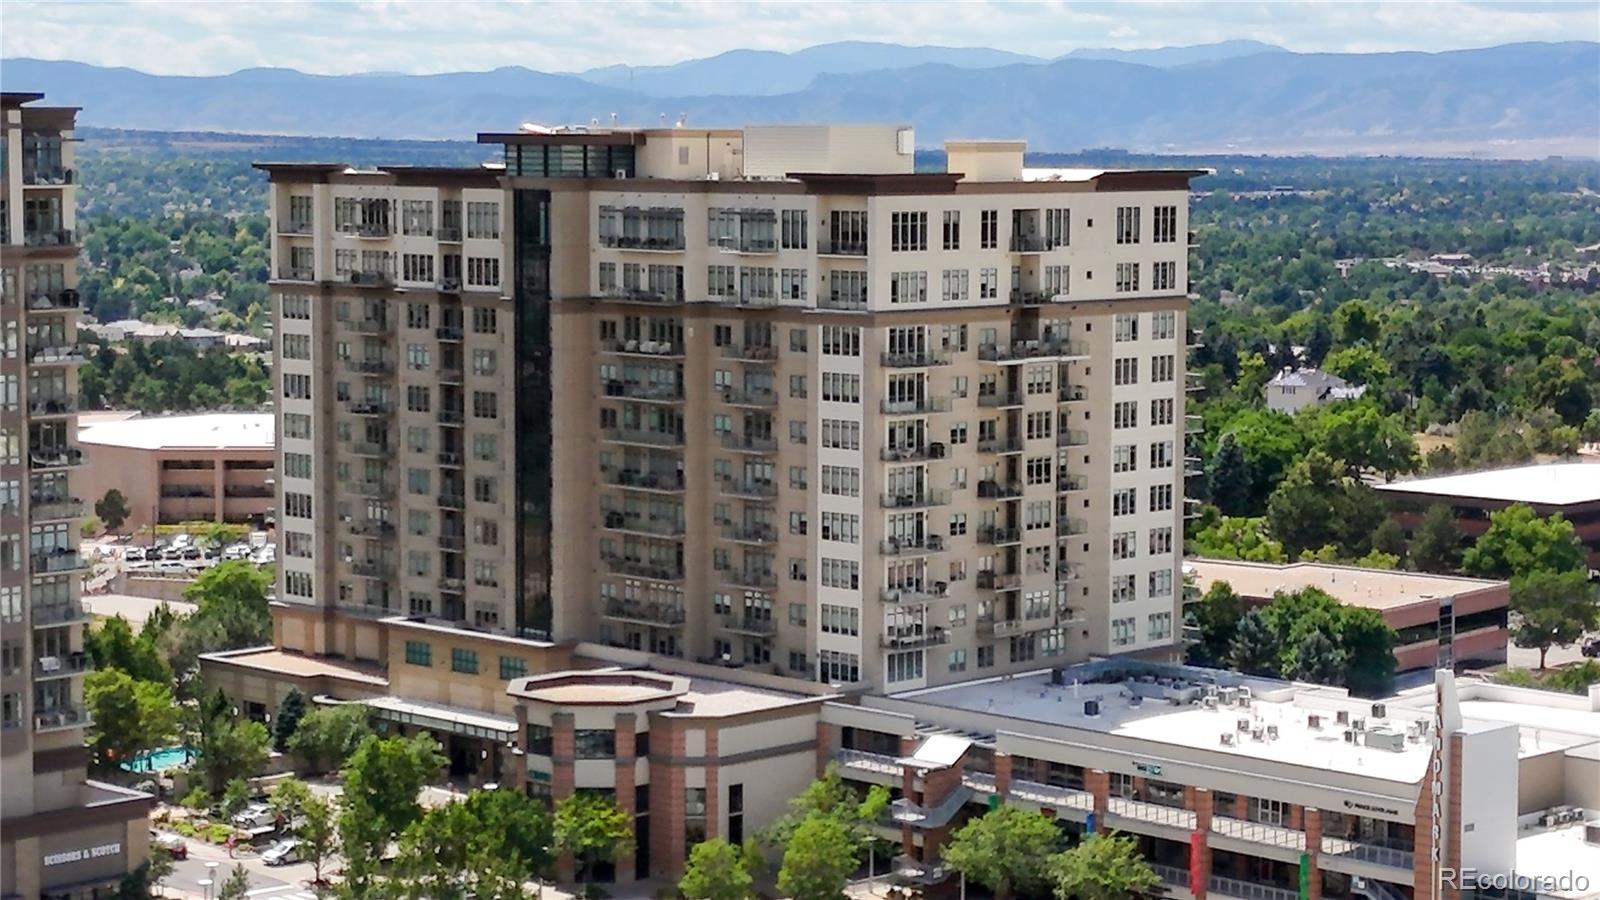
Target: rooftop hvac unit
x=1136 y=701
x=1380 y=711
x=1314 y=722
x=1210 y=702
x=1272 y=732
x=1091 y=708
x=1358 y=723
x=1255 y=734
x=1244 y=692
x=1349 y=736
x=1058 y=677
x=1242 y=725
x=1342 y=717
x=1385 y=739
x=1227 y=739
x=1244 y=702
x=1229 y=696
x=1591 y=832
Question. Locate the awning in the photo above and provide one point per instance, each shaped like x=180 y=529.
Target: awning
x=439 y=718
x=939 y=751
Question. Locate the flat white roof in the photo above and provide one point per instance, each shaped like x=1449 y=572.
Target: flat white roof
x=1549 y=484
x=1558 y=851
x=1379 y=589
x=210 y=431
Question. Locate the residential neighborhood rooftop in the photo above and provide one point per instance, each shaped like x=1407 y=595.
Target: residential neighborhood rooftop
x=1546 y=484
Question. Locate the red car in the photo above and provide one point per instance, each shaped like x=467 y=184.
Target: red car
x=171 y=843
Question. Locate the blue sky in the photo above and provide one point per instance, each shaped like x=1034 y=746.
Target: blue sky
x=210 y=38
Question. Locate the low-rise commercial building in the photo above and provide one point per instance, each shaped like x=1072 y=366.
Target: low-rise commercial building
x=1570 y=489
x=214 y=467
x=1442 y=621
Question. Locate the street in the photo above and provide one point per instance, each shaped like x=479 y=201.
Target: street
x=267 y=882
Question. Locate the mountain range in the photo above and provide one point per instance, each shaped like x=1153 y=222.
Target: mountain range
x=1238 y=96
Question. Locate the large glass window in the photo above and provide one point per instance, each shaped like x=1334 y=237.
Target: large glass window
x=594 y=743
x=464 y=661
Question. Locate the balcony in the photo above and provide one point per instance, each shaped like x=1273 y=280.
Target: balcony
x=61 y=717
x=910 y=870
x=640 y=568
x=750 y=353
x=865 y=762
x=1174 y=875
x=1072 y=393
x=642 y=437
x=1192 y=424
x=371 y=407
x=911 y=545
x=1031 y=243
x=451 y=333
x=448 y=285
x=999 y=490
x=369 y=326
x=371 y=568
x=1248 y=890
x=1071 y=437
x=1069 y=484
x=643 y=613
x=912 y=637
x=374 y=278
x=44 y=509
x=295 y=226
x=914 y=499
x=912 y=452
x=448 y=234
x=1394 y=856
x=446 y=416
x=453 y=543
x=368 y=366
x=63 y=300
x=372 y=528
x=919 y=406
x=369 y=230
x=748 y=578
x=1035 y=298
x=1000 y=445
x=636 y=242
x=657 y=349
x=915 y=592
x=755 y=397
x=990 y=580
x=1192 y=382
x=1152 y=813
x=50 y=237
x=453 y=584
x=452 y=501
x=915 y=359
x=749 y=443
x=296 y=273
x=644 y=392
x=1004 y=628
x=998 y=536
x=758 y=533
x=827 y=247
x=449 y=376
x=905 y=812
x=749 y=489
x=640 y=480
x=61 y=559
x=759 y=626
x=1051 y=795
x=52 y=407
x=370 y=448
x=55 y=355
x=1069 y=527
x=644 y=295
x=450 y=459
x=66 y=666
x=47 y=176
x=54 y=615
x=55 y=458
x=652 y=526
x=376 y=489
x=1000 y=400
x=845 y=302
x=1023 y=351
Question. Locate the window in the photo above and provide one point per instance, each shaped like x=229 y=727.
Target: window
x=540 y=740
x=594 y=743
x=1125 y=327
x=1163 y=325
x=843 y=620
x=1124 y=458
x=297 y=465
x=483 y=320
x=834 y=667
x=1160 y=541
x=296 y=425
x=1161 y=455
x=908 y=231
x=954 y=285
x=1040 y=470
x=483 y=271
x=841 y=573
x=1057 y=280
x=988 y=283
x=908 y=287
x=1160 y=626
x=792 y=227
x=792 y=284
x=1163 y=276
x=1160 y=497
x=1125 y=414
x=1161 y=583
x=485 y=405
x=416 y=267
x=952 y=230
x=1162 y=368
x=1164 y=225
x=484 y=362
x=841 y=340
x=989 y=229
x=841 y=387
x=1123 y=501
x=1057 y=228
x=463 y=661
x=797 y=340
x=1122 y=631
x=841 y=434
x=1127 y=224
x=841 y=481
x=904 y=666
x=512 y=667
x=1124 y=545
x=1127 y=277
x=483 y=221
x=1125 y=370
x=419 y=653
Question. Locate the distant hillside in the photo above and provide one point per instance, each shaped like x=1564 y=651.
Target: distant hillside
x=1166 y=57
x=1513 y=100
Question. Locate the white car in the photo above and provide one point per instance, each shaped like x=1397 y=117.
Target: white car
x=256 y=815
x=282 y=853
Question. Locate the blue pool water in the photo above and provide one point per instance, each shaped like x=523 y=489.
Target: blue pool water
x=158 y=760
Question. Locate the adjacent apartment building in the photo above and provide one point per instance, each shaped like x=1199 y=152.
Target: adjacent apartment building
x=764 y=397
x=63 y=835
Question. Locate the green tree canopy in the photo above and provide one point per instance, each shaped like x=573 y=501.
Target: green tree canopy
x=1006 y=850
x=1519 y=542
x=718 y=870
x=1217 y=618
x=381 y=782
x=326 y=736
x=818 y=857
x=1319 y=504
x=593 y=829
x=1103 y=867
x=130 y=716
x=1436 y=543
x=230 y=748
x=112 y=510
x=1552 y=609
x=289 y=713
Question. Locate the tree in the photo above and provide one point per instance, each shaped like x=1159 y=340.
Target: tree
x=1254 y=649
x=1315 y=658
x=1357 y=365
x=231 y=601
x=489 y=843
x=1436 y=544
x=1007 y=849
x=326 y=736
x=237 y=886
x=112 y=509
x=288 y=799
x=289 y=713
x=717 y=870
x=817 y=859
x=235 y=795
x=1390 y=538
x=1367 y=643
x=1318 y=504
x=1552 y=609
x=1362 y=436
x=829 y=796
x=130 y=717
x=592 y=829
x=1519 y=542
x=318 y=834
x=230 y=748
x=1237 y=537
x=1232 y=489
x=381 y=781
x=1217 y=618
x=1104 y=867
x=112 y=645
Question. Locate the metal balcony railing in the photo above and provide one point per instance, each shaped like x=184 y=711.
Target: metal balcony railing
x=912 y=637
x=1072 y=393
x=990 y=580
x=750 y=534
x=994 y=534
x=644 y=391
x=1052 y=795
x=921 y=592
x=756 y=625
x=917 y=815
x=1396 y=856
x=665 y=349
x=1248 y=890
x=47 y=176
x=642 y=436
x=915 y=359
x=1000 y=445
x=63 y=666
x=999 y=490
x=59 y=560
x=750 y=578
x=827 y=247
x=59 y=300
x=917 y=406
x=1258 y=832
x=1019 y=351
x=759 y=353
x=1069 y=437
x=54 y=355
x=50 y=237
x=369 y=326
x=51 y=615
x=1152 y=813
x=296 y=273
x=43 y=508
x=763 y=397
x=655 y=571
x=52 y=406
x=644 y=612
x=911 y=545
x=639 y=479
x=749 y=488
x=1000 y=400
x=658 y=526
x=61 y=717
x=842 y=301
x=864 y=761
x=914 y=499
x=749 y=443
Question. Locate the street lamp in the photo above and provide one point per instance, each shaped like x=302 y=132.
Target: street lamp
x=205 y=886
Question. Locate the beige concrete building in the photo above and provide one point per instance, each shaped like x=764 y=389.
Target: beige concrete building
x=214 y=467
x=794 y=405
x=61 y=835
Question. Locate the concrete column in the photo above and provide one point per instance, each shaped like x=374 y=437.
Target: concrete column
x=1296 y=817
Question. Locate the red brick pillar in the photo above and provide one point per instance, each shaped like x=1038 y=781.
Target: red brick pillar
x=1241 y=807
x=627 y=753
x=824 y=747
x=1313 y=828
x=563 y=777
x=1452 y=830
x=519 y=758
x=1002 y=774
x=713 y=788
x=1201 y=801
x=666 y=800
x=1041 y=771
x=1296 y=817
x=1098 y=781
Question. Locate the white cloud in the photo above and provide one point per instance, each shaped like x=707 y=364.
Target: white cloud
x=169 y=37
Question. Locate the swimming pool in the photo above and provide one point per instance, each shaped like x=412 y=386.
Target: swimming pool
x=159 y=760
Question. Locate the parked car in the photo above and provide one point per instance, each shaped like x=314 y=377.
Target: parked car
x=171 y=844
x=133 y=554
x=1591 y=647
x=191 y=552
x=256 y=815
x=282 y=853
